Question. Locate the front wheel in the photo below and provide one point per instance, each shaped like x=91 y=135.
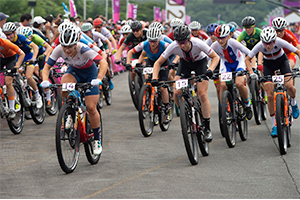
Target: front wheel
x=38 y=114
x=255 y=99
x=242 y=122
x=281 y=126
x=54 y=94
x=132 y=91
x=67 y=139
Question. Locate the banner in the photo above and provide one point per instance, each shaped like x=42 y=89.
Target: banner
x=116 y=10
x=164 y=15
x=175 y=9
x=72 y=8
x=187 y=19
x=132 y=11
x=67 y=12
x=157 y=14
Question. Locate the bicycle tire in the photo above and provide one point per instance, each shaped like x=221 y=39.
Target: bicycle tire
x=190 y=139
x=101 y=99
x=146 y=118
x=220 y=118
x=138 y=84
x=88 y=147
x=263 y=104
x=67 y=140
x=289 y=129
x=281 y=127
x=229 y=125
x=108 y=97
x=134 y=98
x=256 y=105
x=38 y=114
x=242 y=122
x=16 y=125
x=54 y=94
x=163 y=126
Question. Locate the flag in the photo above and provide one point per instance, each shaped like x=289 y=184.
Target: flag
x=187 y=19
x=164 y=15
x=72 y=8
x=116 y=10
x=67 y=12
x=132 y=11
x=157 y=14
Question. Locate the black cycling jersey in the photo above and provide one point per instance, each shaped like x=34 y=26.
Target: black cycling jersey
x=131 y=41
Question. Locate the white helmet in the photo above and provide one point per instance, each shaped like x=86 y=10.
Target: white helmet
x=69 y=37
x=222 y=31
x=125 y=29
x=153 y=34
x=128 y=22
x=268 y=34
x=279 y=23
x=176 y=22
x=195 y=25
x=25 y=30
x=65 y=25
x=20 y=30
x=9 y=27
x=156 y=25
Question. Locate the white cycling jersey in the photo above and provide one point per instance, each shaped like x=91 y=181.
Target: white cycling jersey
x=98 y=38
x=198 y=51
x=276 y=52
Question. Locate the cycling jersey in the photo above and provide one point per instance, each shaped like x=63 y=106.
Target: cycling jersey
x=36 y=39
x=98 y=38
x=251 y=41
x=170 y=35
x=291 y=38
x=24 y=43
x=166 y=39
x=131 y=41
x=231 y=57
x=275 y=53
x=146 y=47
x=105 y=32
x=202 y=35
x=8 y=49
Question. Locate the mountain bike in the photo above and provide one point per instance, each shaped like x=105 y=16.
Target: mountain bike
x=15 y=125
x=191 y=119
x=233 y=110
x=105 y=93
x=69 y=137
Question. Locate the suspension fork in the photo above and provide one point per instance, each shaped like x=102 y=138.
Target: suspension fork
x=285 y=107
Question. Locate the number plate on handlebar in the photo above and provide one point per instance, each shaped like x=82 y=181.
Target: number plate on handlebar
x=181 y=83
x=68 y=87
x=227 y=76
x=278 y=79
x=148 y=70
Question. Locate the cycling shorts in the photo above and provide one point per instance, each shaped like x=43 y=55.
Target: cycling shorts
x=84 y=76
x=163 y=74
x=282 y=63
x=185 y=68
x=9 y=62
x=291 y=56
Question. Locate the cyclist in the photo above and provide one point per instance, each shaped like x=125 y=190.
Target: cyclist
x=125 y=31
x=280 y=24
x=82 y=68
x=153 y=47
x=174 y=23
x=31 y=50
x=8 y=58
x=161 y=28
x=274 y=59
x=229 y=51
x=196 y=32
x=192 y=52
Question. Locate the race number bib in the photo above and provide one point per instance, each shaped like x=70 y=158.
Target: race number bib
x=133 y=63
x=148 y=70
x=227 y=76
x=68 y=86
x=181 y=83
x=278 y=79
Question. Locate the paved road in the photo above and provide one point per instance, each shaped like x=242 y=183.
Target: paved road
x=133 y=166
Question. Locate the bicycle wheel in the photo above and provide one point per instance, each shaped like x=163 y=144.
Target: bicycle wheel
x=132 y=91
x=163 y=125
x=281 y=126
x=220 y=119
x=101 y=99
x=204 y=146
x=54 y=94
x=16 y=125
x=189 y=135
x=263 y=103
x=67 y=140
x=229 y=124
x=255 y=100
x=138 y=84
x=289 y=129
x=242 y=122
x=146 y=117
x=88 y=147
x=108 y=96
x=37 y=114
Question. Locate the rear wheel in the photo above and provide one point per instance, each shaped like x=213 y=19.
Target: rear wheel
x=146 y=117
x=132 y=91
x=108 y=97
x=255 y=100
x=242 y=122
x=67 y=139
x=220 y=119
x=188 y=134
x=263 y=104
x=281 y=126
x=101 y=99
x=37 y=114
x=54 y=99
x=228 y=121
x=138 y=83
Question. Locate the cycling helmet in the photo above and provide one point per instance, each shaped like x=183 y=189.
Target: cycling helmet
x=98 y=22
x=20 y=30
x=125 y=29
x=268 y=34
x=279 y=23
x=153 y=34
x=222 y=31
x=248 y=21
x=65 y=25
x=24 y=30
x=211 y=28
x=195 y=25
x=136 y=25
x=232 y=28
x=9 y=27
x=86 y=27
x=128 y=22
x=156 y=25
x=176 y=22
x=234 y=24
x=69 y=37
x=182 y=32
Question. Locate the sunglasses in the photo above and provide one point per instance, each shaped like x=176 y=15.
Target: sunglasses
x=268 y=43
x=248 y=26
x=8 y=34
x=86 y=32
x=68 y=47
x=153 y=41
x=97 y=26
x=135 y=30
x=182 y=42
x=221 y=38
x=210 y=34
x=194 y=29
x=279 y=30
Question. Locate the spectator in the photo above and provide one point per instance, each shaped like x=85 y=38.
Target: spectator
x=25 y=20
x=3 y=18
x=39 y=25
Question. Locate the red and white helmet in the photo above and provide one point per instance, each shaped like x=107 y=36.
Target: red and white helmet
x=222 y=31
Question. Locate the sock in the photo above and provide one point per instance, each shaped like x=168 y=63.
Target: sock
x=247 y=102
x=37 y=94
x=11 y=104
x=206 y=122
x=273 y=119
x=96 y=133
x=293 y=101
x=48 y=95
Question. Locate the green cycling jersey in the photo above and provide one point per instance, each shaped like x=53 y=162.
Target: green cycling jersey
x=251 y=41
x=36 y=39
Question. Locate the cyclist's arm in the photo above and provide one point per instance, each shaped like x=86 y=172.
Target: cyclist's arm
x=48 y=51
x=20 y=59
x=119 y=52
x=103 y=69
x=248 y=65
x=215 y=60
x=260 y=58
x=136 y=49
x=157 y=65
x=142 y=56
x=297 y=52
x=35 y=50
x=112 y=39
x=108 y=44
x=129 y=56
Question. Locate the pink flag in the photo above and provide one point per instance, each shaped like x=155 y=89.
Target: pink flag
x=72 y=8
x=132 y=11
x=187 y=19
x=157 y=14
x=116 y=7
x=164 y=15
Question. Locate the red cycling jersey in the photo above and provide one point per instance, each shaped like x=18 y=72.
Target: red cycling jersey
x=202 y=35
x=291 y=38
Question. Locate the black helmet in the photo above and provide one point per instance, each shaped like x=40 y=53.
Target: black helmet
x=182 y=32
x=248 y=21
x=136 y=25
